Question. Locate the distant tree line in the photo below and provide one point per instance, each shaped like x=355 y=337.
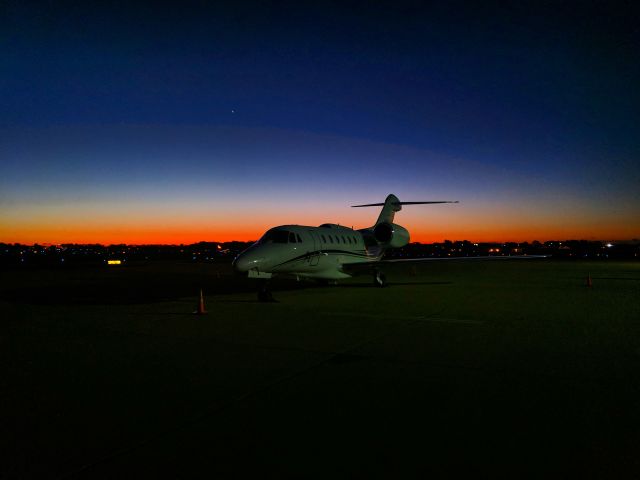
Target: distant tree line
x=14 y=254
x=566 y=249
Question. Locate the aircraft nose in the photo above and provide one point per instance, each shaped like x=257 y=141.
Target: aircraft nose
x=245 y=262
x=240 y=264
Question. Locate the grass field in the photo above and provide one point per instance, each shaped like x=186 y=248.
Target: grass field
x=493 y=368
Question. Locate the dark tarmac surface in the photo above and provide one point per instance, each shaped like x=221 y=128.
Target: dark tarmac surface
x=492 y=369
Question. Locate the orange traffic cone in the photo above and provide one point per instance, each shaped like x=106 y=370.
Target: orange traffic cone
x=589 y=282
x=200 y=307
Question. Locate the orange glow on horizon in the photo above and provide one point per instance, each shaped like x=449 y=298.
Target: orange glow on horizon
x=189 y=236
x=192 y=224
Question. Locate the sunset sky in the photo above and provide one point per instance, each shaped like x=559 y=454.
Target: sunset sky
x=155 y=124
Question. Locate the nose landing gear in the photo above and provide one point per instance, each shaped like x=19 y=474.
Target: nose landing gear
x=264 y=292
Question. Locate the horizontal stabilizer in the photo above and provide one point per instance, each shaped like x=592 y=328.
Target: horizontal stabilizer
x=403 y=203
x=392 y=204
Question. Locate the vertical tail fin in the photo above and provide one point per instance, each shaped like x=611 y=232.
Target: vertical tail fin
x=390 y=207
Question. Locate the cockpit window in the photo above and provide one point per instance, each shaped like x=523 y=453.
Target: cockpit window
x=275 y=236
x=299 y=239
x=292 y=238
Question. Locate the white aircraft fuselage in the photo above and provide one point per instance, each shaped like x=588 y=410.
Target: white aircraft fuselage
x=310 y=252
x=327 y=252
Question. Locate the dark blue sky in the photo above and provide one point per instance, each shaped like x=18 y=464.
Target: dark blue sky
x=548 y=89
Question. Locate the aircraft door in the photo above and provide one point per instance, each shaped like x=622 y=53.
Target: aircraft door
x=314 y=256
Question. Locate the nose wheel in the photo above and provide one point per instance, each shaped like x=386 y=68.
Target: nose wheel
x=379 y=279
x=264 y=292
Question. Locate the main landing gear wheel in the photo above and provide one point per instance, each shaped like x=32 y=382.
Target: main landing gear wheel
x=264 y=293
x=379 y=279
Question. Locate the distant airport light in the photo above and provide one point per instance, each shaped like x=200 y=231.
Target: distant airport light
x=114 y=262
x=609 y=245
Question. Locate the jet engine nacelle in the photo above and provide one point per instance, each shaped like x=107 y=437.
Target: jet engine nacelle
x=391 y=235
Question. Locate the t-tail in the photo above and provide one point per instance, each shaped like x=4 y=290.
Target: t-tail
x=386 y=234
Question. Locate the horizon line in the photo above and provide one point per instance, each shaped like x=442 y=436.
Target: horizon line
x=49 y=244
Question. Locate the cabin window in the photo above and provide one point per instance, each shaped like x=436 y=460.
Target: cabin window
x=330 y=238
x=343 y=240
x=349 y=238
x=299 y=239
x=324 y=240
x=292 y=238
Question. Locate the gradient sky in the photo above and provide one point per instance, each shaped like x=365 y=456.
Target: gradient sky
x=198 y=121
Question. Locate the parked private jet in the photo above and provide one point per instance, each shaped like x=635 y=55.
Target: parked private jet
x=329 y=252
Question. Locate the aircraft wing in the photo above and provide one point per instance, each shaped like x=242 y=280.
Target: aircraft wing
x=380 y=263
x=485 y=257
